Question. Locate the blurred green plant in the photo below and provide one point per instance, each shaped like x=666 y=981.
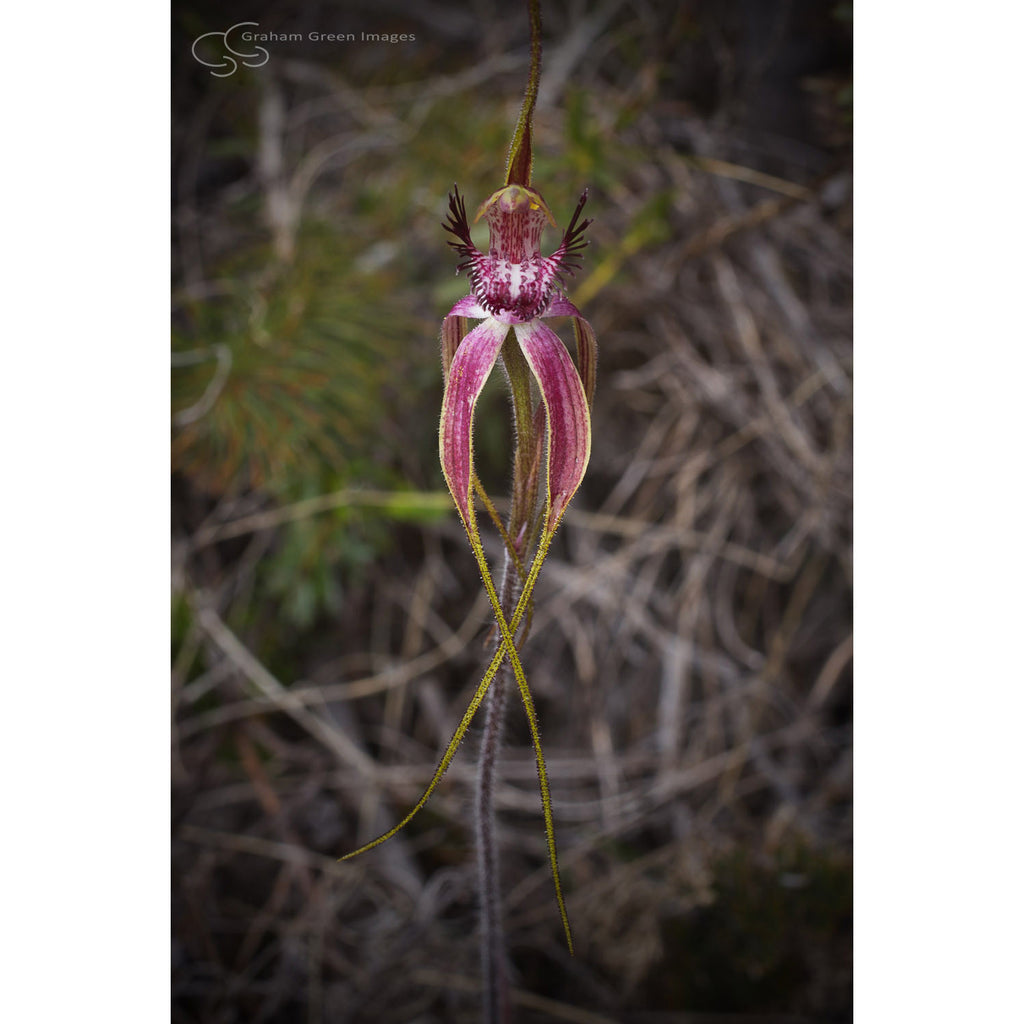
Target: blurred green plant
x=287 y=382
x=276 y=378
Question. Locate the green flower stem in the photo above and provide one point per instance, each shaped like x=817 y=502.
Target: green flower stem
x=524 y=483
x=520 y=153
x=492 y=945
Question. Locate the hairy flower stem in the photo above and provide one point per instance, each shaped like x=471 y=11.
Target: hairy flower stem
x=492 y=942
x=522 y=512
x=492 y=934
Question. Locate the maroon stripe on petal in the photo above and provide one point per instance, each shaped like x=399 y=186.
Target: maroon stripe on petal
x=470 y=368
x=567 y=413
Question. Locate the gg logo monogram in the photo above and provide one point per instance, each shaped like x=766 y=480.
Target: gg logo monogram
x=255 y=59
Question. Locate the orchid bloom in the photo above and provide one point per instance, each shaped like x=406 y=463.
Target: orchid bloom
x=515 y=288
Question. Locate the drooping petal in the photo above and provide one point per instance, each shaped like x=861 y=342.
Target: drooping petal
x=586 y=343
x=586 y=356
x=568 y=415
x=470 y=368
x=453 y=330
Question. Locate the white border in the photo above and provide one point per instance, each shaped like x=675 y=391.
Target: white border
x=83 y=426
x=938 y=611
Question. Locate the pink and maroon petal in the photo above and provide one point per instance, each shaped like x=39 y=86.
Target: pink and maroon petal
x=559 y=306
x=567 y=413
x=469 y=306
x=470 y=368
x=586 y=343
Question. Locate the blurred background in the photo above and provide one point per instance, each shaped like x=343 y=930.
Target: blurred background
x=691 y=647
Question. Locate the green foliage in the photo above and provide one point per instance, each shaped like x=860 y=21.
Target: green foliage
x=316 y=558
x=298 y=378
x=308 y=361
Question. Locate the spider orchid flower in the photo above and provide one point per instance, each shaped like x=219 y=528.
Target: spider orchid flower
x=514 y=289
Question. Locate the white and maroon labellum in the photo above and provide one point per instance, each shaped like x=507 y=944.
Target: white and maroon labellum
x=514 y=282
